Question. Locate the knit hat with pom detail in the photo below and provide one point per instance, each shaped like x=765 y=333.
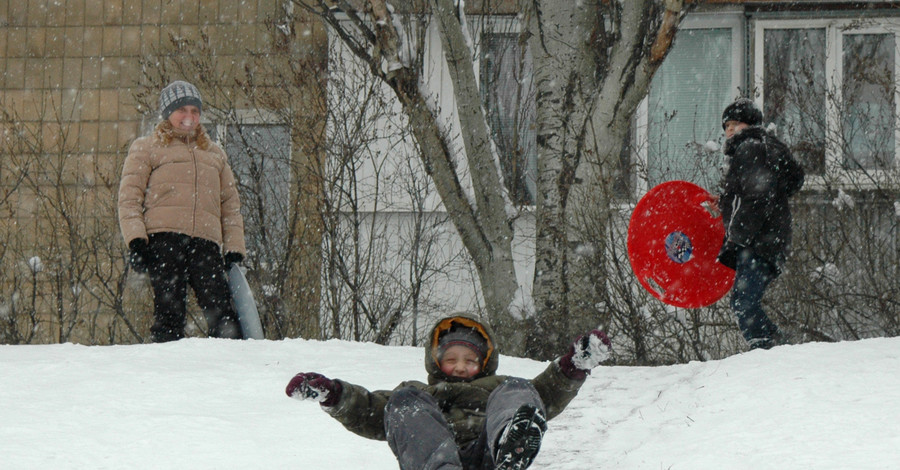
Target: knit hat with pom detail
x=177 y=94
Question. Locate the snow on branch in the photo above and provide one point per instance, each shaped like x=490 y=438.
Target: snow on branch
x=461 y=14
x=389 y=44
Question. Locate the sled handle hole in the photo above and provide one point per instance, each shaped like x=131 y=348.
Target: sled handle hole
x=713 y=212
x=660 y=290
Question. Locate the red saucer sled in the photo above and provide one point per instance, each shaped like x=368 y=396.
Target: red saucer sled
x=673 y=239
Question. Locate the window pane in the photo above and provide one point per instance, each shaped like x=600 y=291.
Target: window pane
x=867 y=117
x=506 y=83
x=794 y=77
x=687 y=96
x=260 y=158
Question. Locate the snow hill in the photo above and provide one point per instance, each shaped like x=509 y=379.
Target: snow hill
x=219 y=404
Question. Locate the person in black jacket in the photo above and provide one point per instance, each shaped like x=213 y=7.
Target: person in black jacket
x=761 y=176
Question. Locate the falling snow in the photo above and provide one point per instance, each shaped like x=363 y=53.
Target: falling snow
x=35 y=264
x=843 y=201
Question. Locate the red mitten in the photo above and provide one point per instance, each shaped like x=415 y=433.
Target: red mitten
x=314 y=386
x=587 y=352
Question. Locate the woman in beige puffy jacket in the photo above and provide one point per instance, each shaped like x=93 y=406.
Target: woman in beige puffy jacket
x=179 y=211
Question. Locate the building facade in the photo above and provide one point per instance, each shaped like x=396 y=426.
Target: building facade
x=80 y=82
x=825 y=74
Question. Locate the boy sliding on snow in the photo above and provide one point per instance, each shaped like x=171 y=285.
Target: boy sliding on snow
x=466 y=417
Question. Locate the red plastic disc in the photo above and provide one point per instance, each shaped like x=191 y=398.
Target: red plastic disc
x=674 y=237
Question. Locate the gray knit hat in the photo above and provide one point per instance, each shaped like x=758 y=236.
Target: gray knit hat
x=177 y=94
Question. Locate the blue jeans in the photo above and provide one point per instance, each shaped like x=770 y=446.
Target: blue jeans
x=753 y=274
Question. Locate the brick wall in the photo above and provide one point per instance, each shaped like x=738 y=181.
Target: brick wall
x=70 y=93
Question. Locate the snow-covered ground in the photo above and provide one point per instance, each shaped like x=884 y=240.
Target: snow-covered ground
x=219 y=404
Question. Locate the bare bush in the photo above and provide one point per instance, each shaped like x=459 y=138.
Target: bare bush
x=64 y=276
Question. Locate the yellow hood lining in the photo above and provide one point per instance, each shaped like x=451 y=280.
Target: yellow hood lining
x=447 y=323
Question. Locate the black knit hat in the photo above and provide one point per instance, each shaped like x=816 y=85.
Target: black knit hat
x=177 y=94
x=463 y=336
x=742 y=110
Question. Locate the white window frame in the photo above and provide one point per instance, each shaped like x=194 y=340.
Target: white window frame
x=720 y=20
x=835 y=29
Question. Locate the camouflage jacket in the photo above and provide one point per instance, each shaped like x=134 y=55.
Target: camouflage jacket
x=463 y=402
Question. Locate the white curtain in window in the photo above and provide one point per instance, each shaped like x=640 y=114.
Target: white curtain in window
x=686 y=100
x=506 y=83
x=867 y=117
x=794 y=98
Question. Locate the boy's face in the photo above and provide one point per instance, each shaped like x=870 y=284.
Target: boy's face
x=733 y=127
x=460 y=361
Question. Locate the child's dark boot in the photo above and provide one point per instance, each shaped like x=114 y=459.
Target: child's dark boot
x=521 y=439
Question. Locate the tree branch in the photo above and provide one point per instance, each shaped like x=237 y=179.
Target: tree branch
x=386 y=50
x=667 y=30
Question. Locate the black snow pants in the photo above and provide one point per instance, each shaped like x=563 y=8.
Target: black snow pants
x=176 y=261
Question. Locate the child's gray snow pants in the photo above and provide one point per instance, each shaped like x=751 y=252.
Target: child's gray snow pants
x=421 y=438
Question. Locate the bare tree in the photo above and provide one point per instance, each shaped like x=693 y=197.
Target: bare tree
x=12 y=174
x=842 y=278
x=306 y=203
x=380 y=265
x=72 y=272
x=587 y=93
x=593 y=62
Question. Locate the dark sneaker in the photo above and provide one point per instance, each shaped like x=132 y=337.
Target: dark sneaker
x=761 y=343
x=779 y=338
x=227 y=328
x=521 y=440
x=783 y=337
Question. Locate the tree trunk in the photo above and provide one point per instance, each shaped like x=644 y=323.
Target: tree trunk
x=593 y=62
x=593 y=65
x=563 y=80
x=492 y=206
x=483 y=219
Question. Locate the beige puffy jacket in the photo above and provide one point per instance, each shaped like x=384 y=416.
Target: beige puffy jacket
x=179 y=187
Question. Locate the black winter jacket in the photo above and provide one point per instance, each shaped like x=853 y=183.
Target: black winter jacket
x=762 y=175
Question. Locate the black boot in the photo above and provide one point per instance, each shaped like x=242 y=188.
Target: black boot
x=226 y=327
x=521 y=439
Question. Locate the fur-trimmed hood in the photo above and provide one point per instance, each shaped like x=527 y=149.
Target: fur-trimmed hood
x=432 y=366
